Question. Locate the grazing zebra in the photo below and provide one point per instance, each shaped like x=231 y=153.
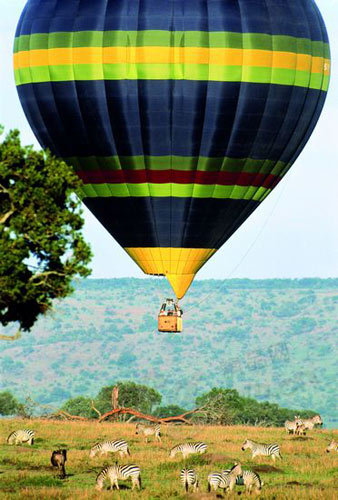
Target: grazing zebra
x=119 y=446
x=259 y=449
x=58 y=459
x=301 y=430
x=252 y=482
x=188 y=449
x=292 y=425
x=333 y=446
x=225 y=480
x=311 y=422
x=21 y=436
x=249 y=479
x=189 y=478
x=149 y=430
x=119 y=472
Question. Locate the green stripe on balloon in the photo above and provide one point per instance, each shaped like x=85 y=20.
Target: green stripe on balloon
x=188 y=163
x=174 y=190
x=194 y=72
x=157 y=38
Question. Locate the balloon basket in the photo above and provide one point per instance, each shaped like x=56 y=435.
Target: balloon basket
x=170 y=324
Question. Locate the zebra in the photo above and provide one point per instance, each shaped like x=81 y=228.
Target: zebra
x=291 y=426
x=300 y=431
x=188 y=449
x=119 y=472
x=189 y=478
x=249 y=479
x=311 y=422
x=225 y=480
x=119 y=446
x=149 y=430
x=252 y=482
x=333 y=446
x=21 y=436
x=260 y=449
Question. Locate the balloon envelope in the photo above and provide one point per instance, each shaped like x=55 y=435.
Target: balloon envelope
x=180 y=116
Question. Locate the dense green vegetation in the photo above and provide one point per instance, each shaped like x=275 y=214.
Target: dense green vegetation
x=272 y=340
x=41 y=245
x=217 y=407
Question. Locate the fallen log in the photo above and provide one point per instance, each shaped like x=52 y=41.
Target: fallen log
x=166 y=420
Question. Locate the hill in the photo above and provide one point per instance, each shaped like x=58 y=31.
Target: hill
x=272 y=340
x=26 y=472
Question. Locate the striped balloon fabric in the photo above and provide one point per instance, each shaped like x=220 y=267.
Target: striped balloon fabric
x=180 y=116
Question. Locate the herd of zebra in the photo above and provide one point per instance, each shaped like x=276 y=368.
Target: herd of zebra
x=225 y=480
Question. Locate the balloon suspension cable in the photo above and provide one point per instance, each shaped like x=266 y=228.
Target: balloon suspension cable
x=265 y=223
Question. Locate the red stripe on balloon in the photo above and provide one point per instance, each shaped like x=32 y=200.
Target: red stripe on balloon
x=179 y=177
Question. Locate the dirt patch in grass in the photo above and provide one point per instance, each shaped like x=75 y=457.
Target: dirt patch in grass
x=296 y=483
x=267 y=469
x=213 y=458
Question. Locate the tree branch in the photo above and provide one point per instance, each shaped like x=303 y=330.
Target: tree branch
x=46 y=274
x=65 y=415
x=5 y=217
x=95 y=409
x=151 y=418
x=11 y=337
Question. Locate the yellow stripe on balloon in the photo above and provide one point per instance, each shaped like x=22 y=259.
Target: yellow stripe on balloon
x=171 y=55
x=179 y=265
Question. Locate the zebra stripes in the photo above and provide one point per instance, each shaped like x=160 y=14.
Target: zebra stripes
x=310 y=423
x=249 y=479
x=189 y=478
x=291 y=426
x=188 y=449
x=260 y=449
x=301 y=430
x=21 y=436
x=149 y=430
x=333 y=446
x=119 y=446
x=252 y=481
x=116 y=472
x=225 y=480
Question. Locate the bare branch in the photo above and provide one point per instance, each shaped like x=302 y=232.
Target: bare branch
x=95 y=409
x=11 y=337
x=46 y=274
x=151 y=418
x=5 y=217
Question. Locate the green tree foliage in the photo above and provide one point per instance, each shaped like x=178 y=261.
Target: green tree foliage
x=219 y=406
x=80 y=406
x=9 y=405
x=131 y=395
x=226 y=407
x=41 y=245
x=169 y=411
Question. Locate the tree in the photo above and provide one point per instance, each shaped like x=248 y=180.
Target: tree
x=219 y=406
x=131 y=395
x=80 y=406
x=41 y=245
x=168 y=411
x=9 y=405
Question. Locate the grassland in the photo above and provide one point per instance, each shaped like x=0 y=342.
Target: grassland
x=306 y=471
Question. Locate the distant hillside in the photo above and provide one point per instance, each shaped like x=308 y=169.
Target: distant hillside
x=273 y=340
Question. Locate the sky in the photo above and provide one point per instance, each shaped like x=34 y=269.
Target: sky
x=293 y=234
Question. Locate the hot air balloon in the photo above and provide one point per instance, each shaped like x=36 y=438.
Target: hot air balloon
x=180 y=116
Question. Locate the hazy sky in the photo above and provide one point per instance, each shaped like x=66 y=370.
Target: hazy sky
x=294 y=233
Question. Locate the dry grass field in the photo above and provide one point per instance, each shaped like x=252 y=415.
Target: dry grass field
x=306 y=471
